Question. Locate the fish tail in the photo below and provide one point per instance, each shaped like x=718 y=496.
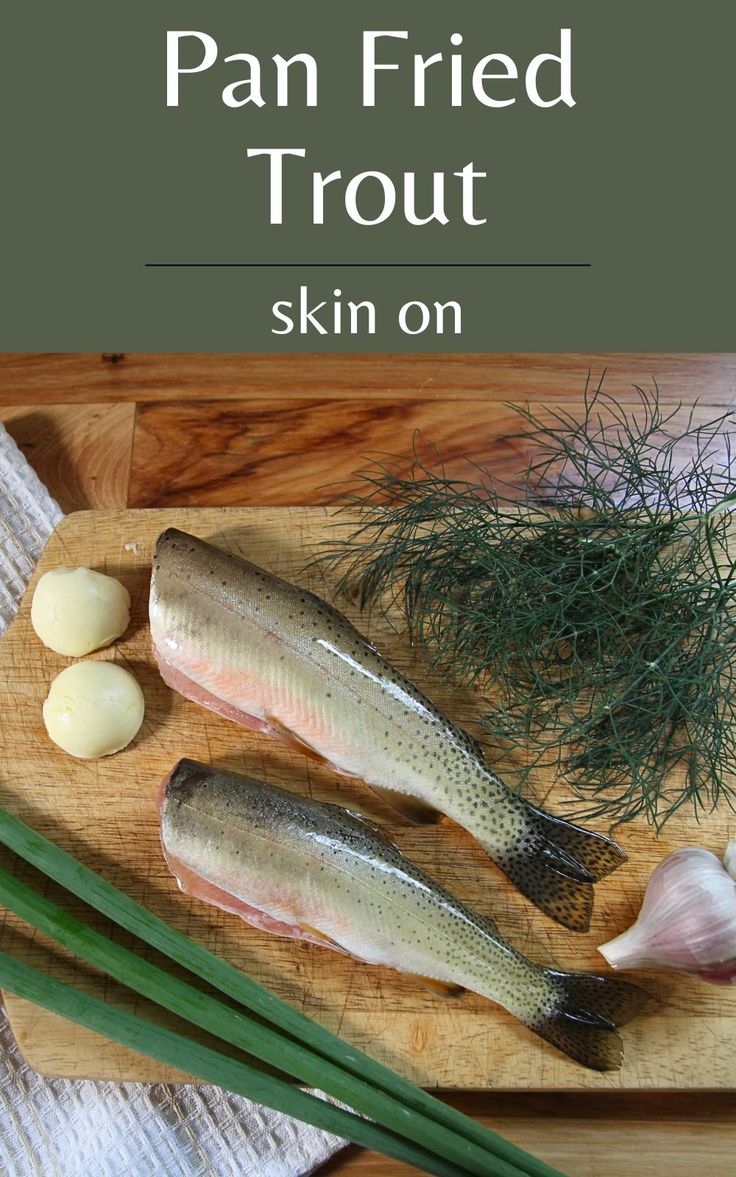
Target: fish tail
x=596 y=853
x=555 y=865
x=586 y=1011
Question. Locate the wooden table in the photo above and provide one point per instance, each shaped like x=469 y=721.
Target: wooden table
x=150 y=430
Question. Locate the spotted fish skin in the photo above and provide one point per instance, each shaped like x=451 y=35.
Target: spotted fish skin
x=277 y=658
x=316 y=871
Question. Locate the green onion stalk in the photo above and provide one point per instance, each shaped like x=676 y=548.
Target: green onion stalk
x=403 y=1121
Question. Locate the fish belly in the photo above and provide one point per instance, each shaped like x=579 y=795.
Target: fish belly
x=196 y=885
x=186 y=686
x=258 y=689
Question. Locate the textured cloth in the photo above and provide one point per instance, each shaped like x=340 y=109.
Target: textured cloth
x=74 y=1128
x=28 y=515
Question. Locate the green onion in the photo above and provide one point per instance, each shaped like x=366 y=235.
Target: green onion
x=231 y=1074
x=107 y=899
x=239 y=1030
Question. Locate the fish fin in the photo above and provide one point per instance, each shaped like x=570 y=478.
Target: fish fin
x=439 y=988
x=540 y=875
x=587 y=1011
x=596 y=853
x=288 y=737
x=609 y=999
x=555 y=865
x=366 y=824
x=323 y=938
x=409 y=807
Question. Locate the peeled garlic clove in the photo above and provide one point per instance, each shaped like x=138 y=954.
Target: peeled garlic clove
x=729 y=859
x=76 y=610
x=93 y=709
x=687 y=920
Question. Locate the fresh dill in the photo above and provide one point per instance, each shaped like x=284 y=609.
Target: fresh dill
x=594 y=604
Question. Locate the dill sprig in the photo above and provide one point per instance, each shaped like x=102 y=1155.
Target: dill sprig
x=594 y=603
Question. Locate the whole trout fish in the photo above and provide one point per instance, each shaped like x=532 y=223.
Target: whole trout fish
x=277 y=658
x=317 y=872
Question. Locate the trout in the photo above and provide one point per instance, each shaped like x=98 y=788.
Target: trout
x=317 y=872
x=278 y=659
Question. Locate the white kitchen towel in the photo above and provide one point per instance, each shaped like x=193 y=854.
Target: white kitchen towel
x=75 y=1128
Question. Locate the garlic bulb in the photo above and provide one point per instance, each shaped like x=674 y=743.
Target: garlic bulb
x=687 y=920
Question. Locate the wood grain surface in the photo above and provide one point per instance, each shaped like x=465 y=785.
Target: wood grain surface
x=590 y=1135
x=83 y=452
x=105 y=812
x=25 y=378
x=586 y=1133
x=277 y=451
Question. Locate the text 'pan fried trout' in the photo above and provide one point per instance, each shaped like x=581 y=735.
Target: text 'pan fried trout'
x=299 y=868
x=276 y=658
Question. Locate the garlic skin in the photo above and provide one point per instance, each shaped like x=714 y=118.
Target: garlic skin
x=687 y=920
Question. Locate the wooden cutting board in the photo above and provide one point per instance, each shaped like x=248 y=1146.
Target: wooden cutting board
x=105 y=813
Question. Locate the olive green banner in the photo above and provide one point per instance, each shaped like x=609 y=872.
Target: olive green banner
x=283 y=176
